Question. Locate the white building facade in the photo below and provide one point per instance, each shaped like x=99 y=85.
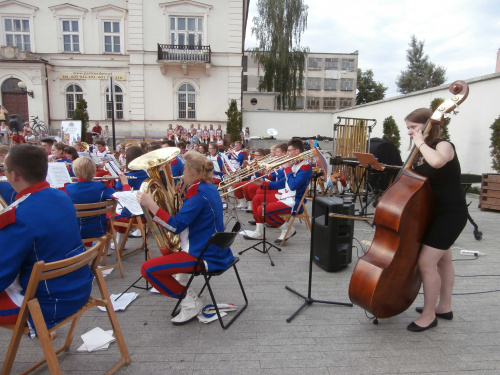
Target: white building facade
x=176 y=62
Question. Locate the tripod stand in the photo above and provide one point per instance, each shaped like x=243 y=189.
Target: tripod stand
x=309 y=300
x=266 y=245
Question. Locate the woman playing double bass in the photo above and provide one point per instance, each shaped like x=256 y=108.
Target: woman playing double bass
x=438 y=161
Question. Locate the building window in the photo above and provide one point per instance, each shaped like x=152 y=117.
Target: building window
x=313 y=102
x=347 y=84
x=299 y=102
x=17 y=33
x=186 y=31
x=330 y=84
x=187 y=101
x=73 y=94
x=118 y=103
x=112 y=37
x=245 y=63
x=348 y=64
x=71 y=36
x=314 y=63
x=244 y=83
x=313 y=83
x=345 y=103
x=331 y=64
x=329 y=103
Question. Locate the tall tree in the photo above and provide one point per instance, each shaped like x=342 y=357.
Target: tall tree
x=444 y=127
x=368 y=89
x=234 y=121
x=391 y=131
x=420 y=74
x=81 y=114
x=278 y=29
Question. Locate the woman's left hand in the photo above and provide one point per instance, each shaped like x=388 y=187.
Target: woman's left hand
x=419 y=138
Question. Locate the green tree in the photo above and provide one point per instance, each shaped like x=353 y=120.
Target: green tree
x=368 y=89
x=234 y=121
x=391 y=131
x=82 y=115
x=421 y=74
x=444 y=127
x=278 y=29
x=495 y=144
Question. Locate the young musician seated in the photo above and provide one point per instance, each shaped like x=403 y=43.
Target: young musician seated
x=242 y=189
x=287 y=199
x=86 y=190
x=201 y=216
x=216 y=158
x=26 y=240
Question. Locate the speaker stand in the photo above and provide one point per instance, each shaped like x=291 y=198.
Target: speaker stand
x=309 y=300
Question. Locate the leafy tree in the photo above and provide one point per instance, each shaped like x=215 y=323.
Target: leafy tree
x=421 y=73
x=278 y=29
x=82 y=115
x=391 y=131
x=234 y=121
x=368 y=89
x=444 y=127
x=495 y=144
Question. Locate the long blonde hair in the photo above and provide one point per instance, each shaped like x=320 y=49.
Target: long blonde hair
x=200 y=164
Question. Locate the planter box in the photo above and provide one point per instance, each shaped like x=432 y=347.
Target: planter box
x=490 y=192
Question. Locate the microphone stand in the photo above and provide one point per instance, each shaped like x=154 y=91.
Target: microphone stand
x=309 y=300
x=265 y=248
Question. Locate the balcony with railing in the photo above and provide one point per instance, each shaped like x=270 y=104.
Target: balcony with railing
x=185 y=56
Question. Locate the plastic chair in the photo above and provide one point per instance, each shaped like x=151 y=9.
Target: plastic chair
x=223 y=240
x=102 y=208
x=45 y=271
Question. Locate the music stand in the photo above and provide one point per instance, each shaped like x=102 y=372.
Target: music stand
x=309 y=300
x=369 y=162
x=266 y=245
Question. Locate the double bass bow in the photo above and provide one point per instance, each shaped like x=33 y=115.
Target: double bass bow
x=386 y=280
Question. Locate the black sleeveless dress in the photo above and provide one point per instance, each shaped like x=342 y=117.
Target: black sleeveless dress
x=451 y=208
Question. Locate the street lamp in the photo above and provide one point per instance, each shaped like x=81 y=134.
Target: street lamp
x=22 y=86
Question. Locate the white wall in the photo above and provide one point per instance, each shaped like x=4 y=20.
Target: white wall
x=469 y=130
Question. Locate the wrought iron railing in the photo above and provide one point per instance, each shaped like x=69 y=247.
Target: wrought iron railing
x=173 y=52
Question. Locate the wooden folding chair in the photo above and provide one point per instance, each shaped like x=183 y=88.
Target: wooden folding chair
x=45 y=271
x=302 y=216
x=102 y=208
x=134 y=222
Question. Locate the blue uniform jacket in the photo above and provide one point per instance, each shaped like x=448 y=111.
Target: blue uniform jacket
x=84 y=192
x=298 y=181
x=7 y=192
x=135 y=184
x=201 y=216
x=43 y=227
x=177 y=167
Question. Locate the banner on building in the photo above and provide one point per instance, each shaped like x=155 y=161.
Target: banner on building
x=71 y=131
x=92 y=75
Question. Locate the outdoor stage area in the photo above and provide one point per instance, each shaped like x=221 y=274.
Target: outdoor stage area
x=321 y=339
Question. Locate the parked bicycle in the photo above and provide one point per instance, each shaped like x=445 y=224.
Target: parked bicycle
x=38 y=126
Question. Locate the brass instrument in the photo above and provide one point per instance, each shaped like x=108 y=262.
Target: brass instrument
x=85 y=146
x=3 y=204
x=153 y=163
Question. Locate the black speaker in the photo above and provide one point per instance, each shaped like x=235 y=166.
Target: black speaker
x=15 y=123
x=332 y=242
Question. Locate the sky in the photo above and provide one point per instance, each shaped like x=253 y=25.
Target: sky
x=462 y=36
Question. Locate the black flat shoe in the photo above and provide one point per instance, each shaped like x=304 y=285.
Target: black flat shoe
x=447 y=316
x=416 y=328
x=251 y=222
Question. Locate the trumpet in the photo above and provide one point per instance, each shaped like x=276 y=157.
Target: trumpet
x=107 y=178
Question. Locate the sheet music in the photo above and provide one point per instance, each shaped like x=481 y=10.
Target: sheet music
x=84 y=153
x=58 y=175
x=95 y=158
x=128 y=199
x=113 y=167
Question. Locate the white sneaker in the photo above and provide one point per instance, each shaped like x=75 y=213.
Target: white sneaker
x=256 y=234
x=249 y=207
x=135 y=233
x=242 y=205
x=191 y=306
x=291 y=233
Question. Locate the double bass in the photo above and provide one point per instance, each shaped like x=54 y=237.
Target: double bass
x=386 y=280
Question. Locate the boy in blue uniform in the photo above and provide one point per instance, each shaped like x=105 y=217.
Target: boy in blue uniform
x=26 y=239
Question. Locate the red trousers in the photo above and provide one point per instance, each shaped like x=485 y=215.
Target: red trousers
x=273 y=208
x=248 y=191
x=159 y=271
x=9 y=311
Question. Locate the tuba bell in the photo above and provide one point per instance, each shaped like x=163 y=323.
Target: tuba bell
x=154 y=163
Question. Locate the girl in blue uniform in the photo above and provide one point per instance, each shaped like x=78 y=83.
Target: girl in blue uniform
x=200 y=216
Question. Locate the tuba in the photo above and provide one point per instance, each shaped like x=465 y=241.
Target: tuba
x=154 y=163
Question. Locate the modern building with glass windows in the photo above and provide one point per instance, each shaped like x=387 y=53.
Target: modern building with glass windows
x=176 y=61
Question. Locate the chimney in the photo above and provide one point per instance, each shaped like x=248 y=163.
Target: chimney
x=497 y=69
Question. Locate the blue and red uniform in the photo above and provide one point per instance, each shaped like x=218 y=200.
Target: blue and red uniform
x=200 y=216
x=7 y=192
x=26 y=239
x=218 y=167
x=283 y=196
x=177 y=167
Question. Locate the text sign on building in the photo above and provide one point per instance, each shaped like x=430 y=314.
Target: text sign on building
x=92 y=75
